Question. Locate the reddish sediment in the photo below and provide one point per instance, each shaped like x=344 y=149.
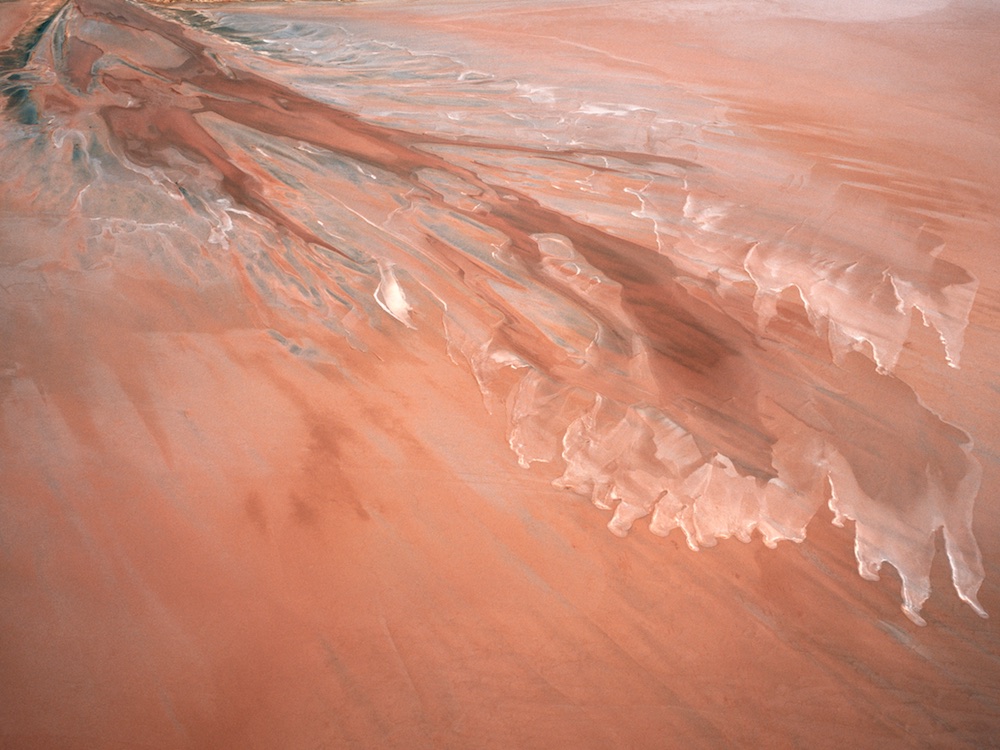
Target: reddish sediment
x=251 y=496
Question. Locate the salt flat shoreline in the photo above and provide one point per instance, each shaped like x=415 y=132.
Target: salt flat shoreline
x=259 y=286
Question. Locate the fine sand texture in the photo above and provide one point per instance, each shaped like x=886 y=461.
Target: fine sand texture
x=501 y=374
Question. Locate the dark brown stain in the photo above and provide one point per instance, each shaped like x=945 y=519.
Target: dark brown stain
x=253 y=507
x=303 y=512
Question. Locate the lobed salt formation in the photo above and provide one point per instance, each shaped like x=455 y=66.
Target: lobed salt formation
x=688 y=345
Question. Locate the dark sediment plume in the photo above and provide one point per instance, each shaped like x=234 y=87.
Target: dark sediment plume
x=674 y=402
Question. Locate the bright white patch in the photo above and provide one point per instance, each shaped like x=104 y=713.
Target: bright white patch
x=616 y=110
x=390 y=296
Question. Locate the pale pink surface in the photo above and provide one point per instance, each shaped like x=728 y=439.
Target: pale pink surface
x=253 y=499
